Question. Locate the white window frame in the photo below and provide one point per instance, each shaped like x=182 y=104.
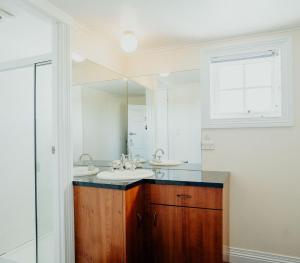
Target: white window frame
x=282 y=45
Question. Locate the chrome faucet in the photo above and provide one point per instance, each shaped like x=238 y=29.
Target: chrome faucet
x=125 y=163
x=156 y=156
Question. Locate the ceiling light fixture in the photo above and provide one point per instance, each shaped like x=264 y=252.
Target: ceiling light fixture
x=78 y=58
x=129 y=42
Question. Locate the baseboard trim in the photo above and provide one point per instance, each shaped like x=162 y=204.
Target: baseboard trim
x=239 y=255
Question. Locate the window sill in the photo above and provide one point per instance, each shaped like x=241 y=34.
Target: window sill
x=247 y=123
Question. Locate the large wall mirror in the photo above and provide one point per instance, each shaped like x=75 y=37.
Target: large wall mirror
x=99 y=112
x=164 y=113
x=112 y=115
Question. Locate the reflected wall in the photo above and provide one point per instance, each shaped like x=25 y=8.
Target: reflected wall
x=172 y=115
x=99 y=112
x=112 y=115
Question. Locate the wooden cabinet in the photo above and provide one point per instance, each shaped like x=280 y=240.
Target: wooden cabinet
x=108 y=225
x=134 y=224
x=190 y=196
x=188 y=224
x=151 y=223
x=186 y=235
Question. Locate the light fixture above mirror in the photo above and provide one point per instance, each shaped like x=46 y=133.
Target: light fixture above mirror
x=129 y=42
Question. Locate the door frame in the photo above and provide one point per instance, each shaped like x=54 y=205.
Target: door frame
x=61 y=61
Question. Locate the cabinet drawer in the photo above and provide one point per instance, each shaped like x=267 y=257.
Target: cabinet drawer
x=190 y=196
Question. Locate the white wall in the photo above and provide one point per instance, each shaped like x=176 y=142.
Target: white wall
x=137 y=100
x=104 y=127
x=178 y=121
x=24 y=36
x=76 y=121
x=184 y=120
x=264 y=162
x=159 y=105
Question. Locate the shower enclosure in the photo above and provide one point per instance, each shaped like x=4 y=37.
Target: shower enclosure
x=28 y=172
x=27 y=164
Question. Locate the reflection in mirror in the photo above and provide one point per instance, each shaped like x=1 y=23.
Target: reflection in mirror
x=138 y=147
x=99 y=112
x=90 y=72
x=164 y=112
x=154 y=118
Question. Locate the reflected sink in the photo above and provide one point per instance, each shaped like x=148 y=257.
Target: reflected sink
x=125 y=174
x=165 y=162
x=84 y=170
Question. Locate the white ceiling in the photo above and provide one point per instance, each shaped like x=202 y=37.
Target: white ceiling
x=160 y=23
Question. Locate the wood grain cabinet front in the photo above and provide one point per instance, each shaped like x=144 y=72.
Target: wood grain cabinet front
x=189 y=224
x=189 y=196
x=186 y=235
x=151 y=223
x=98 y=225
x=108 y=225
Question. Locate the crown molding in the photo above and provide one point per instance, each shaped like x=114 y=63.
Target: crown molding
x=198 y=44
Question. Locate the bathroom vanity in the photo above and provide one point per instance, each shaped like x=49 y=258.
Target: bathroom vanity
x=174 y=216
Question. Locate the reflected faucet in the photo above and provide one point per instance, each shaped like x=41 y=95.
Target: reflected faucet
x=156 y=156
x=87 y=159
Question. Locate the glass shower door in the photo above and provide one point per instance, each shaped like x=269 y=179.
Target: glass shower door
x=46 y=183
x=17 y=162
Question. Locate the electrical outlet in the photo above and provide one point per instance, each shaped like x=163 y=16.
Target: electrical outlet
x=207 y=143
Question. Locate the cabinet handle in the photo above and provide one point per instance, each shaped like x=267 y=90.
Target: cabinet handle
x=184 y=196
x=155 y=219
x=139 y=218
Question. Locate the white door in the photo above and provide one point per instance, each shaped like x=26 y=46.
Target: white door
x=137 y=131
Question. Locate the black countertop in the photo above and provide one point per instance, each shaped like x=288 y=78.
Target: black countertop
x=168 y=176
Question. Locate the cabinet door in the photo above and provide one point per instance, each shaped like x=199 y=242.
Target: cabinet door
x=99 y=227
x=186 y=235
x=166 y=232
x=135 y=222
x=202 y=235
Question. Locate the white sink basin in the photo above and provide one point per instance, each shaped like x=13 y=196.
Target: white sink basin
x=165 y=162
x=125 y=174
x=84 y=170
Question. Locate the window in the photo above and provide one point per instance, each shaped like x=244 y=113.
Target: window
x=246 y=85
x=249 y=86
